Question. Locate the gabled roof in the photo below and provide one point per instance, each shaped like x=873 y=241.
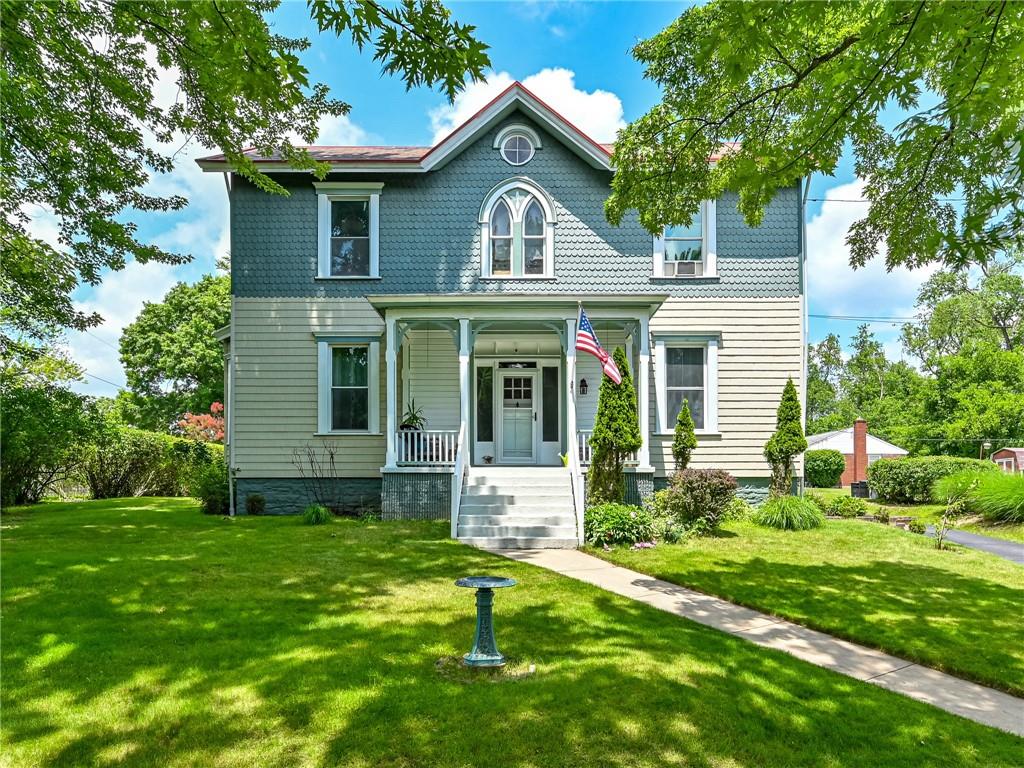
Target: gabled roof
x=1017 y=452
x=422 y=159
x=842 y=440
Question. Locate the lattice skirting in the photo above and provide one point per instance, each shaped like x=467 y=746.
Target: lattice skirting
x=416 y=496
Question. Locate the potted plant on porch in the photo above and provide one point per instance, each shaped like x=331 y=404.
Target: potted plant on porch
x=413 y=420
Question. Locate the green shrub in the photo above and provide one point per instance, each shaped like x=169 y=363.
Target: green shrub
x=787 y=442
x=996 y=496
x=684 y=441
x=611 y=523
x=697 y=498
x=847 y=506
x=882 y=515
x=819 y=501
x=316 y=514
x=915 y=526
x=911 y=481
x=210 y=486
x=738 y=509
x=823 y=468
x=789 y=513
x=255 y=504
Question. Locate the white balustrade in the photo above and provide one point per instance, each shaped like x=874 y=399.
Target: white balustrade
x=427 y=446
x=586 y=453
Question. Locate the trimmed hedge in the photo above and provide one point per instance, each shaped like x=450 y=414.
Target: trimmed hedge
x=822 y=469
x=910 y=481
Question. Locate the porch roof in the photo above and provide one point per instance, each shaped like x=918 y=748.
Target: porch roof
x=468 y=301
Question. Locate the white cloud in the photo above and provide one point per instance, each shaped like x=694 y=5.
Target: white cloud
x=597 y=113
x=119 y=299
x=836 y=288
x=340 y=131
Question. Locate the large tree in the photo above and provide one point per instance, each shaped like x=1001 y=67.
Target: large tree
x=171 y=359
x=795 y=83
x=82 y=135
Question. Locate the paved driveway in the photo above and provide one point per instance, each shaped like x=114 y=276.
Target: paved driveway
x=1011 y=550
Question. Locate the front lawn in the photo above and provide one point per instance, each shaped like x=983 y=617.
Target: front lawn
x=931 y=513
x=139 y=632
x=959 y=610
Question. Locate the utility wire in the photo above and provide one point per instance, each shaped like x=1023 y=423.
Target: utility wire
x=105 y=381
x=865 y=319
x=865 y=200
x=102 y=341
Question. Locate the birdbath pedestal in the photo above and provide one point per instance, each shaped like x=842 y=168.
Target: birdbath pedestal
x=485 y=651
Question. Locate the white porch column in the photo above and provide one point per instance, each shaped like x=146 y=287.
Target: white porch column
x=464 y=382
x=391 y=387
x=570 y=383
x=643 y=392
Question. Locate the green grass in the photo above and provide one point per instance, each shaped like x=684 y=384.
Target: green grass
x=930 y=513
x=956 y=610
x=139 y=632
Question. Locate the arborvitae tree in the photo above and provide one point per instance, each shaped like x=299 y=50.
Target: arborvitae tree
x=787 y=443
x=685 y=440
x=616 y=435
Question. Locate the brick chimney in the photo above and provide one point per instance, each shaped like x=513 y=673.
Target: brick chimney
x=860 y=450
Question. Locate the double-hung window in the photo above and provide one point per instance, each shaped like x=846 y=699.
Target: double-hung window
x=688 y=251
x=348 y=240
x=517 y=232
x=349 y=386
x=687 y=372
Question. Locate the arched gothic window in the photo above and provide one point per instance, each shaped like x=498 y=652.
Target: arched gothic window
x=517 y=232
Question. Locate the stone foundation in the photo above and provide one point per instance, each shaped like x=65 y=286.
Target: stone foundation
x=291 y=495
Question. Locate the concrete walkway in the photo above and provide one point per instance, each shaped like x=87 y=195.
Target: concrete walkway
x=1011 y=550
x=975 y=702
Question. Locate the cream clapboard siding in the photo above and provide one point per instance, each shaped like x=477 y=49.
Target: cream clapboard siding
x=589 y=367
x=433 y=380
x=761 y=347
x=276 y=384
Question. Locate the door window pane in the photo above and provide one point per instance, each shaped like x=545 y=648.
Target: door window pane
x=549 y=404
x=485 y=405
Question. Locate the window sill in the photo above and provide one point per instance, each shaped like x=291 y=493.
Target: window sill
x=507 y=278
x=349 y=433
x=347 y=277
x=674 y=278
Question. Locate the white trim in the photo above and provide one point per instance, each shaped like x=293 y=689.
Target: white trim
x=323 y=358
x=709 y=246
x=643 y=388
x=710 y=347
x=327 y=192
x=390 y=393
x=508 y=130
x=496 y=195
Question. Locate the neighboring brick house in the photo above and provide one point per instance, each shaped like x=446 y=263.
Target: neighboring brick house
x=859 y=448
x=451 y=276
x=1009 y=459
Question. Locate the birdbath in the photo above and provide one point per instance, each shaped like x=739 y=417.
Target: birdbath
x=485 y=652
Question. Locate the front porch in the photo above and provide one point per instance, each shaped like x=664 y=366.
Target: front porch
x=501 y=385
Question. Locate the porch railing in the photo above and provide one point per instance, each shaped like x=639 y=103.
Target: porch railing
x=433 y=447
x=586 y=453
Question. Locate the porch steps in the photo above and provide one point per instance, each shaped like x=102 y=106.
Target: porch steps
x=517 y=508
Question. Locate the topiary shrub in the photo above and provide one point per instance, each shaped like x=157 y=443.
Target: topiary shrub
x=789 y=513
x=697 y=498
x=847 y=506
x=210 y=486
x=316 y=514
x=616 y=435
x=912 y=481
x=610 y=523
x=255 y=504
x=685 y=439
x=787 y=442
x=822 y=469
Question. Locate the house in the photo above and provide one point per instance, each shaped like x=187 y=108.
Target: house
x=859 y=448
x=1009 y=459
x=450 y=277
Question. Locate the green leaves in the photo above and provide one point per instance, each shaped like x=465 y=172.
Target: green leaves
x=616 y=434
x=787 y=442
x=795 y=83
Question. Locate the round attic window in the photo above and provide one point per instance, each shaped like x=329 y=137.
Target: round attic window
x=517 y=149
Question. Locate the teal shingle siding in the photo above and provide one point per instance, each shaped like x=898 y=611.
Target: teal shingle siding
x=429 y=235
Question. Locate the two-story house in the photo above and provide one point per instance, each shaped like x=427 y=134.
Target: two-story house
x=445 y=281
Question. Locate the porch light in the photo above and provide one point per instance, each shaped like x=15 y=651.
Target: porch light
x=583 y=386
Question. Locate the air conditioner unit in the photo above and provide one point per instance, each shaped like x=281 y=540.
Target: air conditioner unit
x=684 y=268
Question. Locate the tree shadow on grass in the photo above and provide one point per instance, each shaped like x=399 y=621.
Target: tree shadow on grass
x=280 y=644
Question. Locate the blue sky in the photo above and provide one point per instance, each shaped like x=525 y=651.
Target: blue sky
x=576 y=56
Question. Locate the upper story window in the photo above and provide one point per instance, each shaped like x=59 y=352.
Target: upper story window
x=688 y=251
x=349 y=224
x=517 y=144
x=517 y=231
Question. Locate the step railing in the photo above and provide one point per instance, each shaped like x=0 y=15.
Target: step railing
x=585 y=451
x=427 y=447
x=458 y=477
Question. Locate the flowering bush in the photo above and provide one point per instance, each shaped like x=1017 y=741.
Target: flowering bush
x=612 y=523
x=207 y=427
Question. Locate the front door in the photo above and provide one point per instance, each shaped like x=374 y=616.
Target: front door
x=518 y=417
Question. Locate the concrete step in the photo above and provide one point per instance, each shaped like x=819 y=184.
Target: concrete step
x=512 y=496
x=564 y=509
x=519 y=542
x=516 y=517
x=517 y=531
x=496 y=484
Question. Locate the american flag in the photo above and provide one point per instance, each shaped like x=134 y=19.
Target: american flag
x=586 y=341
